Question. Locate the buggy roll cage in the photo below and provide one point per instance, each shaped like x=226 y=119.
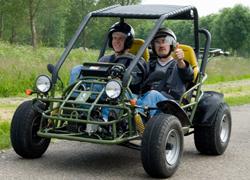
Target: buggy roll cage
x=160 y=12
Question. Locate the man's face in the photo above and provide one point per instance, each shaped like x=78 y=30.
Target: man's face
x=118 y=41
x=162 y=47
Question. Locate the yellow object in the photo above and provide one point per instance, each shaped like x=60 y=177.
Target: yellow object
x=139 y=124
x=190 y=57
x=136 y=45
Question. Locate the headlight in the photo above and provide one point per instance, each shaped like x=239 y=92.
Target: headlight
x=113 y=89
x=43 y=83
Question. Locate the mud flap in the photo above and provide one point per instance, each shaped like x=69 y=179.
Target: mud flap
x=207 y=108
x=172 y=107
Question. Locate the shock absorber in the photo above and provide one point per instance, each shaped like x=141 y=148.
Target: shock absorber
x=139 y=124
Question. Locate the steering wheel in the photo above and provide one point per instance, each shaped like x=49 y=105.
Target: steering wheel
x=138 y=73
x=124 y=59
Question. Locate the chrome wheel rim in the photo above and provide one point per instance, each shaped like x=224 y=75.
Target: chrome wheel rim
x=172 y=150
x=224 y=129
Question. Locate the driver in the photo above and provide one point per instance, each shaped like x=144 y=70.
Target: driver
x=121 y=36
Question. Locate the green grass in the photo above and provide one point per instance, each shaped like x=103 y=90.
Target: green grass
x=8 y=106
x=223 y=69
x=235 y=92
x=4 y=135
x=20 y=65
x=239 y=100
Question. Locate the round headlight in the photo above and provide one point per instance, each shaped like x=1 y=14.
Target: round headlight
x=113 y=89
x=43 y=83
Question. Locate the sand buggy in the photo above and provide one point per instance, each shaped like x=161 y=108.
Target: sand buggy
x=75 y=114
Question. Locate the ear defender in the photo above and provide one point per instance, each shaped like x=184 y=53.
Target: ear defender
x=171 y=41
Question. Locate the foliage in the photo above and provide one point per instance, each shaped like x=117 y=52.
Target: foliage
x=52 y=22
x=231 y=29
x=78 y=9
x=12 y=21
x=183 y=30
x=56 y=21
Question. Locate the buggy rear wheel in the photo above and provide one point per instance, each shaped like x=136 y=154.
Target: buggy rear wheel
x=214 y=139
x=24 y=127
x=162 y=146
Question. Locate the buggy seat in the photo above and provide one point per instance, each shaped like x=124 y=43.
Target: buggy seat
x=136 y=45
x=190 y=57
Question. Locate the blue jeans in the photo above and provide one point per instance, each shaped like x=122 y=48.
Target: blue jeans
x=150 y=99
x=74 y=73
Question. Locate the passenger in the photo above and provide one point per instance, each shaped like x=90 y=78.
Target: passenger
x=175 y=73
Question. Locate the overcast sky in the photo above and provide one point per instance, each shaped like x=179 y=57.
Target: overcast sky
x=204 y=7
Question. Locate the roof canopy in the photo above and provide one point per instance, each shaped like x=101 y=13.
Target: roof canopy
x=148 y=11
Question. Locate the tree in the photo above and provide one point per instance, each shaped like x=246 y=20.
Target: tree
x=51 y=20
x=104 y=3
x=33 y=6
x=232 y=28
x=209 y=23
x=77 y=10
x=183 y=31
x=2 y=2
x=12 y=20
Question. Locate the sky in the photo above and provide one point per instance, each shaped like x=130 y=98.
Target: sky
x=205 y=7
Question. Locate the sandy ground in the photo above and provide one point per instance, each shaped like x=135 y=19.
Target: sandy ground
x=9 y=105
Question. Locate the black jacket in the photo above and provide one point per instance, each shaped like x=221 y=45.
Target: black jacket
x=138 y=74
x=169 y=79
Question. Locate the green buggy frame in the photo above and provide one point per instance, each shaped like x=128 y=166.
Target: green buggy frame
x=76 y=113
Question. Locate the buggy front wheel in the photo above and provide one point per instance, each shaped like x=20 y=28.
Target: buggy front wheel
x=23 y=132
x=162 y=146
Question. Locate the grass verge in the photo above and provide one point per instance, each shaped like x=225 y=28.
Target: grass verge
x=235 y=92
x=224 y=69
x=20 y=65
x=240 y=100
x=4 y=134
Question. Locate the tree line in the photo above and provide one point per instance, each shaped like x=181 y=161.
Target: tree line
x=53 y=22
